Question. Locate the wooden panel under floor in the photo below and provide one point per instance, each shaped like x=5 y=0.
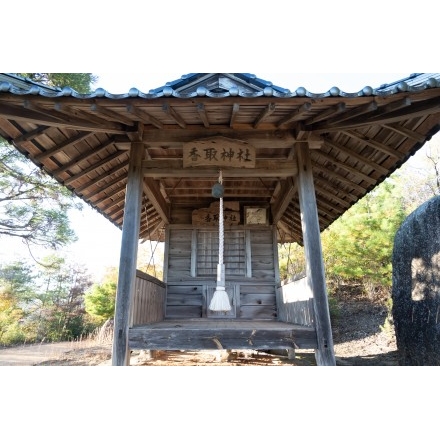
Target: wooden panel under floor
x=221 y=334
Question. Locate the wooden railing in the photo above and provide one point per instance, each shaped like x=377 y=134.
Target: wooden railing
x=148 y=300
x=295 y=303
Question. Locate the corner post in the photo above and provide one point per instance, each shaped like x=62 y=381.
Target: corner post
x=314 y=260
x=128 y=255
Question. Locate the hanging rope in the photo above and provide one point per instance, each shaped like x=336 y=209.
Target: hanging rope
x=220 y=299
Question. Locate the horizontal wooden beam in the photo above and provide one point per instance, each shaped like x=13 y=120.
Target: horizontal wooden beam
x=258 y=138
x=265 y=168
x=182 y=337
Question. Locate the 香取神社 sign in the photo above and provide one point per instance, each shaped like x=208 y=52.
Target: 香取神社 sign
x=219 y=151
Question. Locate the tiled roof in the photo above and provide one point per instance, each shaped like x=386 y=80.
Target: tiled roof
x=219 y=85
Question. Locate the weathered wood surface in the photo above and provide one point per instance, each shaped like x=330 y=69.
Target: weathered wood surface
x=127 y=262
x=148 y=300
x=192 y=257
x=203 y=334
x=314 y=261
x=219 y=151
x=295 y=303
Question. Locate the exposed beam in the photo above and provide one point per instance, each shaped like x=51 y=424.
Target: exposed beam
x=85 y=121
x=203 y=116
x=234 y=114
x=166 y=108
x=297 y=114
x=152 y=190
x=346 y=167
x=82 y=157
x=116 y=202
x=71 y=111
x=31 y=134
x=101 y=177
x=176 y=137
x=23 y=114
x=273 y=169
x=270 y=108
x=325 y=207
x=177 y=164
x=287 y=192
x=328 y=195
x=392 y=112
x=144 y=116
x=328 y=187
x=63 y=145
x=354 y=113
x=347 y=182
x=111 y=114
x=405 y=132
x=94 y=167
x=374 y=144
x=353 y=155
x=330 y=112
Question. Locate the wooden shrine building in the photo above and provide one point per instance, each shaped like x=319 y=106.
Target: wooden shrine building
x=291 y=162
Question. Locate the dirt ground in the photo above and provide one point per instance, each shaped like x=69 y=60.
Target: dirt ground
x=360 y=338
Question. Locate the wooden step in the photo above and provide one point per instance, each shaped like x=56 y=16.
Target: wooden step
x=224 y=334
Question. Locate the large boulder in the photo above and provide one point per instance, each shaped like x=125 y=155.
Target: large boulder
x=416 y=286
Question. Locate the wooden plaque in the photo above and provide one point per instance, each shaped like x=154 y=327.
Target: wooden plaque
x=219 y=151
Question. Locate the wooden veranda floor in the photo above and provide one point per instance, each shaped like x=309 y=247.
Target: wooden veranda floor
x=209 y=334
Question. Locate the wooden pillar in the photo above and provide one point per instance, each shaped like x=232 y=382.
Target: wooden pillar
x=128 y=256
x=314 y=261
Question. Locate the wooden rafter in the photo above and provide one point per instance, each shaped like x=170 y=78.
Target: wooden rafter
x=203 y=115
x=297 y=114
x=111 y=195
x=266 y=112
x=326 y=185
x=94 y=167
x=343 y=180
x=405 y=132
x=330 y=112
x=166 y=108
x=374 y=144
x=144 y=116
x=234 y=114
x=152 y=191
x=115 y=116
x=63 y=145
x=288 y=189
x=84 y=156
x=352 y=170
x=31 y=134
x=328 y=195
x=383 y=113
x=101 y=177
x=365 y=109
x=353 y=155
